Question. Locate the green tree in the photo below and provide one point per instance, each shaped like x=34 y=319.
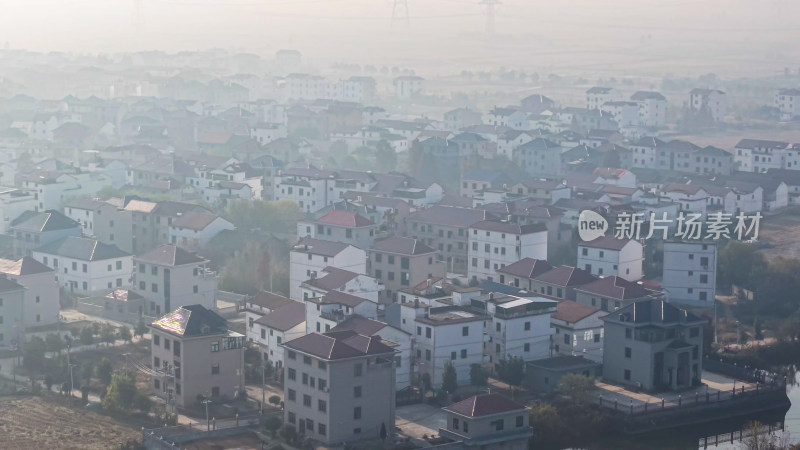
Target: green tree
x=33 y=354
x=273 y=424
x=141 y=328
x=576 y=387
x=547 y=422
x=739 y=263
x=449 y=378
x=54 y=343
x=274 y=400
x=87 y=369
x=248 y=270
x=108 y=334
x=385 y=156
x=142 y=403
x=512 y=370
x=478 y=376
x=104 y=371
x=125 y=334
x=120 y=393
x=87 y=336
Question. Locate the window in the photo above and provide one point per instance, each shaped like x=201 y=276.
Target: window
x=166 y=344
x=356 y=430
x=306 y=400
x=176 y=349
x=694 y=332
x=357 y=413
x=628 y=352
x=357 y=391
x=119 y=265
x=628 y=333
x=322 y=365
x=292 y=355
x=596 y=338
x=292 y=374
x=463 y=354
x=215 y=346
x=465 y=331
x=142 y=286
x=156 y=362
x=322 y=429
x=322 y=405
x=306 y=359
x=156 y=339
x=305 y=378
x=154 y=287
x=527 y=326
x=154 y=270
x=292 y=395
x=358 y=370
x=520 y=421
x=428 y=332
x=566 y=339
x=292 y=418
x=627 y=375
x=85 y=268
x=215 y=369
x=466 y=427
x=498 y=424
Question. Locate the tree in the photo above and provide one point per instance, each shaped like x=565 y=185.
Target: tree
x=272 y=424
x=104 y=371
x=383 y=432
x=125 y=334
x=142 y=403
x=87 y=369
x=545 y=419
x=478 y=376
x=120 y=393
x=33 y=353
x=85 y=393
x=108 y=334
x=87 y=336
x=54 y=343
x=385 y=156
x=449 y=378
x=274 y=400
x=512 y=370
x=141 y=328
x=576 y=387
x=48 y=382
x=739 y=263
x=248 y=270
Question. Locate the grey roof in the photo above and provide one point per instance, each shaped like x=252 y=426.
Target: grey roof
x=319 y=247
x=169 y=255
x=82 y=248
x=450 y=216
x=285 y=318
x=652 y=312
x=647 y=95
x=506 y=227
x=334 y=278
x=565 y=362
x=25 y=266
x=526 y=268
x=7 y=285
x=485 y=405
x=363 y=325
x=339 y=345
x=194 y=221
x=606 y=242
x=40 y=222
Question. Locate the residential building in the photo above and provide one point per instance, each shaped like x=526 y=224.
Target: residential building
x=608 y=255
x=460 y=118
x=495 y=244
x=521 y=274
x=487 y=421
x=560 y=282
x=334 y=279
x=169 y=276
x=539 y=158
x=788 y=103
x=323 y=313
x=446 y=335
x=612 y=292
x=399 y=263
x=339 y=386
x=257 y=306
x=271 y=330
x=13 y=203
x=410 y=86
x=653 y=345
x=578 y=331
x=86 y=266
x=519 y=326
x=690 y=272
x=709 y=101
x=102 y=220
x=41 y=305
x=761 y=155
x=597 y=96
x=445 y=228
x=196 y=355
x=193 y=230
x=12 y=311
x=396 y=338
x=314 y=255
x=652 y=109
x=32 y=230
x=347 y=227
x=150 y=222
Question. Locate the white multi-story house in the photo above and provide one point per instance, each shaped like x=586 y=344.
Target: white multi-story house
x=539 y=158
x=41 y=304
x=339 y=386
x=335 y=279
x=608 y=255
x=652 y=109
x=14 y=202
x=513 y=118
x=193 y=230
x=691 y=198
x=264 y=132
x=445 y=335
x=519 y=328
x=257 y=306
x=788 y=103
x=761 y=155
x=508 y=141
x=169 y=276
x=690 y=272
x=712 y=100
x=578 y=331
x=86 y=266
x=13 y=310
x=311 y=256
x=409 y=86
x=626 y=114
x=598 y=95
x=340 y=226
x=325 y=312
x=612 y=293
x=396 y=338
x=494 y=245
x=274 y=328
x=307 y=186
x=52 y=188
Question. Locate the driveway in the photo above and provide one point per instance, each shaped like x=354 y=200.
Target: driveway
x=418 y=420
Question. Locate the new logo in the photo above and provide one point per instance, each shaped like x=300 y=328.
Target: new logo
x=591 y=225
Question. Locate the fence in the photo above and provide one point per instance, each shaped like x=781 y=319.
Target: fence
x=739 y=436
x=168 y=438
x=690 y=401
x=745 y=373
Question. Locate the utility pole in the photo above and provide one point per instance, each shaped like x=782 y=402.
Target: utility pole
x=490 y=14
x=69 y=368
x=263 y=381
x=208 y=423
x=400 y=12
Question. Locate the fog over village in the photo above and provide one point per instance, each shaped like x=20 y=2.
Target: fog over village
x=397 y=224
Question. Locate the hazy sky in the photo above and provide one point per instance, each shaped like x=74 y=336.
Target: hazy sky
x=569 y=33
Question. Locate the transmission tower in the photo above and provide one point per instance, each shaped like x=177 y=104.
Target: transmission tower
x=490 y=13
x=400 y=13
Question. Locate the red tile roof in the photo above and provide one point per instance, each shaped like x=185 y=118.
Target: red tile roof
x=484 y=405
x=572 y=312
